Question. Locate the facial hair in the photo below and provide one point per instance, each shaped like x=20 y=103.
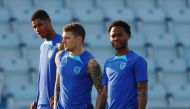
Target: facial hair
x=122 y=46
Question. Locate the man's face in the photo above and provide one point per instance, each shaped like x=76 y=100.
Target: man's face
x=41 y=27
x=70 y=42
x=119 y=37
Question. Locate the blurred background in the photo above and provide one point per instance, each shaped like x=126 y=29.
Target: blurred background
x=160 y=33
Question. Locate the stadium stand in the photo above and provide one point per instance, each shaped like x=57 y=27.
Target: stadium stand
x=160 y=33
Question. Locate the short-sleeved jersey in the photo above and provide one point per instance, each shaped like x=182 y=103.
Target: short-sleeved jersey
x=121 y=74
x=47 y=72
x=75 y=82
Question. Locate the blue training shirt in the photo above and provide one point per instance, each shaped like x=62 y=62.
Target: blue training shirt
x=75 y=83
x=47 y=72
x=121 y=74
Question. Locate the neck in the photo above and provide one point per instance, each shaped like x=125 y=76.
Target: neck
x=121 y=52
x=51 y=35
x=78 y=51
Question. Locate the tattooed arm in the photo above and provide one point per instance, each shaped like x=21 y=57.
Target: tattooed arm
x=57 y=84
x=95 y=72
x=142 y=94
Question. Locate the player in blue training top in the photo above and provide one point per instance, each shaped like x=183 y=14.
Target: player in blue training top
x=77 y=71
x=125 y=74
x=47 y=69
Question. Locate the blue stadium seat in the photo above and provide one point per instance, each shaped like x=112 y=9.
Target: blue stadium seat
x=170 y=4
x=137 y=37
x=23 y=15
x=31 y=41
x=60 y=15
x=4 y=20
x=137 y=47
x=33 y=57
x=5 y=15
x=151 y=79
x=153 y=20
x=23 y=95
x=91 y=18
x=25 y=29
x=109 y=4
x=98 y=40
x=125 y=14
x=1 y=89
x=92 y=15
x=102 y=54
x=172 y=64
x=18 y=4
x=80 y=4
x=3 y=102
x=181 y=95
x=171 y=77
x=181 y=20
x=158 y=28
x=2 y=78
x=187 y=52
x=4 y=28
x=151 y=65
x=23 y=91
x=141 y=4
x=6 y=38
x=162 y=40
x=179 y=15
x=157 y=94
x=183 y=38
x=15 y=65
x=48 y=4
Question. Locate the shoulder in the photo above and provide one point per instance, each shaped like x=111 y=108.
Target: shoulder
x=140 y=58
x=136 y=57
x=59 y=35
x=58 y=55
x=93 y=66
x=42 y=44
x=60 y=38
x=87 y=53
x=92 y=62
x=140 y=61
x=86 y=56
x=109 y=59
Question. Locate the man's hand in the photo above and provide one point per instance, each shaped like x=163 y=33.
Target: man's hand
x=33 y=105
x=52 y=102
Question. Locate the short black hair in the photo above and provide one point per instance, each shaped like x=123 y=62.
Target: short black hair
x=76 y=29
x=122 y=24
x=40 y=14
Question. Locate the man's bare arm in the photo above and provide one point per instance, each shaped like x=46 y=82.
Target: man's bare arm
x=57 y=82
x=142 y=94
x=95 y=72
x=33 y=105
x=103 y=98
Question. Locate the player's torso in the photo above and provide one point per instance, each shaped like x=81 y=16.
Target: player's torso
x=47 y=71
x=122 y=91
x=75 y=82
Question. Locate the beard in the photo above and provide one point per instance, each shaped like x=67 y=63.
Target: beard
x=121 y=46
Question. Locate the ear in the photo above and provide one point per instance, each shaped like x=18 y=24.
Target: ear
x=49 y=20
x=79 y=38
